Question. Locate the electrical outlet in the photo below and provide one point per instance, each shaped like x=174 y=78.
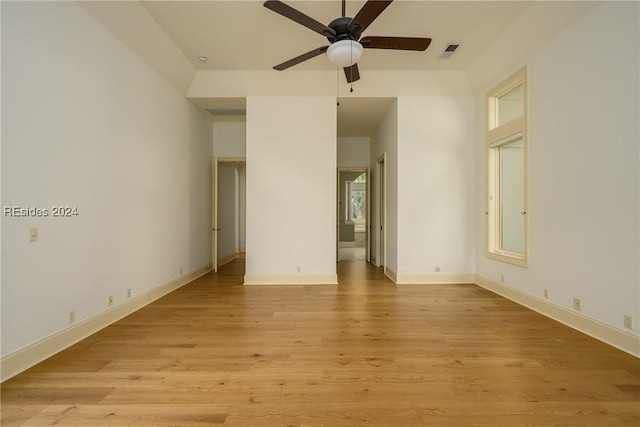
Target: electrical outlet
x=298 y=269
x=437 y=268
x=180 y=271
x=33 y=235
x=502 y=277
x=546 y=293
x=628 y=321
x=72 y=316
x=110 y=300
x=576 y=304
x=129 y=293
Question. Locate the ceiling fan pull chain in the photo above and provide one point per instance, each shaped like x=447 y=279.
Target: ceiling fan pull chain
x=351 y=69
x=338 y=85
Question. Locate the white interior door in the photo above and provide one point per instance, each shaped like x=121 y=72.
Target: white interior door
x=368 y=219
x=214 y=217
x=382 y=209
x=338 y=219
x=228 y=211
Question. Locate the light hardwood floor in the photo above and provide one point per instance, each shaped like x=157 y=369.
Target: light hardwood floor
x=365 y=352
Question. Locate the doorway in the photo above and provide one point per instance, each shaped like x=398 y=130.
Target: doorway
x=228 y=211
x=353 y=214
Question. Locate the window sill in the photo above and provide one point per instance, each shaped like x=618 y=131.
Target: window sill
x=515 y=259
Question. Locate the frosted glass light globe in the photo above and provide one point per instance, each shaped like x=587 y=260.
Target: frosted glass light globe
x=345 y=53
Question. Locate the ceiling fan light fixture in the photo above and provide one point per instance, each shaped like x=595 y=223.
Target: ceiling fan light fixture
x=345 y=53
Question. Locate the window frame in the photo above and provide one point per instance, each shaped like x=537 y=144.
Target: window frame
x=496 y=136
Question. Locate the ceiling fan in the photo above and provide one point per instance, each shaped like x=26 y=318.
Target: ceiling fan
x=344 y=34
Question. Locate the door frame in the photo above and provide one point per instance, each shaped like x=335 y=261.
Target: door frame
x=367 y=224
x=381 y=210
x=214 y=204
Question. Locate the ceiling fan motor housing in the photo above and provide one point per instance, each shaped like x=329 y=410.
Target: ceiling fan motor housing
x=341 y=27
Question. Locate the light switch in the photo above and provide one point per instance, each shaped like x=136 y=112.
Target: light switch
x=33 y=235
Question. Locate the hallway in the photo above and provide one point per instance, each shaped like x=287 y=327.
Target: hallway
x=365 y=352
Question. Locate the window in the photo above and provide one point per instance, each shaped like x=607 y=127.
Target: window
x=356 y=202
x=506 y=149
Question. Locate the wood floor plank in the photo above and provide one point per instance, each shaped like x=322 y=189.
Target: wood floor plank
x=53 y=395
x=131 y=415
x=436 y=413
x=18 y=415
x=365 y=352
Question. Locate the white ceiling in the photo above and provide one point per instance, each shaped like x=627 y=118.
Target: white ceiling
x=244 y=35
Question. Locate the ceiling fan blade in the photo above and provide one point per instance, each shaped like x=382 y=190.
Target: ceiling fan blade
x=299 y=17
x=396 y=43
x=298 y=59
x=352 y=73
x=369 y=12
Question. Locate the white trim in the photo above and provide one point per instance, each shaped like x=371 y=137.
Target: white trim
x=21 y=360
x=497 y=135
x=391 y=274
x=618 y=338
x=509 y=139
x=434 y=278
x=292 y=279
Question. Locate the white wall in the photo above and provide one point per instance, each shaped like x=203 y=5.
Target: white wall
x=436 y=188
x=385 y=141
x=524 y=36
x=584 y=169
x=86 y=123
x=291 y=190
x=354 y=152
x=230 y=139
x=374 y=83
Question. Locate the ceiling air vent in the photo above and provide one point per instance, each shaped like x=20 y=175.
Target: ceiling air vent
x=449 y=50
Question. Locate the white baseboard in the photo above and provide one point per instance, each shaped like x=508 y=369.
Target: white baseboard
x=391 y=275
x=21 y=360
x=434 y=278
x=618 y=338
x=292 y=279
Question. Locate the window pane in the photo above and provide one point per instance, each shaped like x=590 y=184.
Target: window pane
x=358 y=205
x=510 y=105
x=512 y=197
